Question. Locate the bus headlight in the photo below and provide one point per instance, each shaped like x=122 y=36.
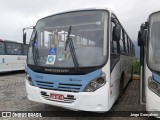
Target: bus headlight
x=93 y=85
x=29 y=79
x=96 y=83
x=153 y=85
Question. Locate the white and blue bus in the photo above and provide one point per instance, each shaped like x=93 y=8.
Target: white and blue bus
x=149 y=42
x=12 y=55
x=79 y=60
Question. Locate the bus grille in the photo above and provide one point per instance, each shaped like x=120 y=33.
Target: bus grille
x=61 y=86
x=66 y=99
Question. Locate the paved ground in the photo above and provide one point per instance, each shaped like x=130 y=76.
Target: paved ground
x=13 y=98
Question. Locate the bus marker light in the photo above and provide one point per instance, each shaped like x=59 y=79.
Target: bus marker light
x=153 y=85
x=43 y=93
x=29 y=79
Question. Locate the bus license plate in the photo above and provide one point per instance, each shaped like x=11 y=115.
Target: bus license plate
x=56 y=96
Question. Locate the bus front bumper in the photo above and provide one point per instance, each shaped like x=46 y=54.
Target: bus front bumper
x=84 y=101
x=152 y=101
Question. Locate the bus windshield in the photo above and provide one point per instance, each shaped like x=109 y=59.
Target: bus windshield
x=154 y=42
x=88 y=33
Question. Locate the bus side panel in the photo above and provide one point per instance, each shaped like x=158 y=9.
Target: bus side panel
x=5 y=63
x=19 y=62
x=12 y=63
x=126 y=66
x=106 y=70
x=115 y=80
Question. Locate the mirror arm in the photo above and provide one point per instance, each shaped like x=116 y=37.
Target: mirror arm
x=24 y=33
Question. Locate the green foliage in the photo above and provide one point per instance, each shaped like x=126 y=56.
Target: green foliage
x=136 y=67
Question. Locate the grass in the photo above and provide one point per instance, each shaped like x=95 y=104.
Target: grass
x=136 y=67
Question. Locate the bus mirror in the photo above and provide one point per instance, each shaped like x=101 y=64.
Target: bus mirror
x=140 y=39
x=116 y=33
x=34 y=33
x=24 y=38
x=144 y=35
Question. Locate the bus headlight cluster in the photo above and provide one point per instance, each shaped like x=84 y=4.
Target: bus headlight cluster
x=153 y=85
x=96 y=83
x=29 y=79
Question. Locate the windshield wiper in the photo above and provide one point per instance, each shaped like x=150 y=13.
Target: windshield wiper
x=72 y=49
x=35 y=54
x=35 y=50
x=68 y=37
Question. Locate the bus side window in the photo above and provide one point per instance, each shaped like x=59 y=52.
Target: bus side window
x=114 y=51
x=9 y=48
x=131 y=49
x=126 y=43
x=114 y=47
x=18 y=49
x=25 y=49
x=2 y=48
x=122 y=44
x=14 y=49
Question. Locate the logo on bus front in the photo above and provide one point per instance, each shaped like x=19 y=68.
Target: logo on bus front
x=39 y=76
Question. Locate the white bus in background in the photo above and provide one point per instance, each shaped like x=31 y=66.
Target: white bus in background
x=86 y=69
x=149 y=42
x=12 y=56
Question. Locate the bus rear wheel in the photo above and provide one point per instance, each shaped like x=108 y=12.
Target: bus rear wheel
x=121 y=85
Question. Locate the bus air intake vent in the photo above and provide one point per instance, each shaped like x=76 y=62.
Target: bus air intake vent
x=69 y=87
x=44 y=85
x=60 y=87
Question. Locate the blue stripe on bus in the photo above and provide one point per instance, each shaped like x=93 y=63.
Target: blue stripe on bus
x=71 y=83
x=156 y=77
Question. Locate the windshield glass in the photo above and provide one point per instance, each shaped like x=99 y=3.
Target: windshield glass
x=154 y=42
x=88 y=33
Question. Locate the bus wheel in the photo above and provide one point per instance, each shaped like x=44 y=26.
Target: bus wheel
x=131 y=73
x=121 y=85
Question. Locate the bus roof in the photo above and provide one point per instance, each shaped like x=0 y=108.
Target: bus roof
x=97 y=8
x=3 y=40
x=10 y=41
x=153 y=12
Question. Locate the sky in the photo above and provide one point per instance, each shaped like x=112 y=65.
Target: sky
x=17 y=14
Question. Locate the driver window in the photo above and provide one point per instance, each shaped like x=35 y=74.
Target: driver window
x=114 y=48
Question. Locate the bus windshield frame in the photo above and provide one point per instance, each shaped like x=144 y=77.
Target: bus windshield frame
x=89 y=33
x=153 y=43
